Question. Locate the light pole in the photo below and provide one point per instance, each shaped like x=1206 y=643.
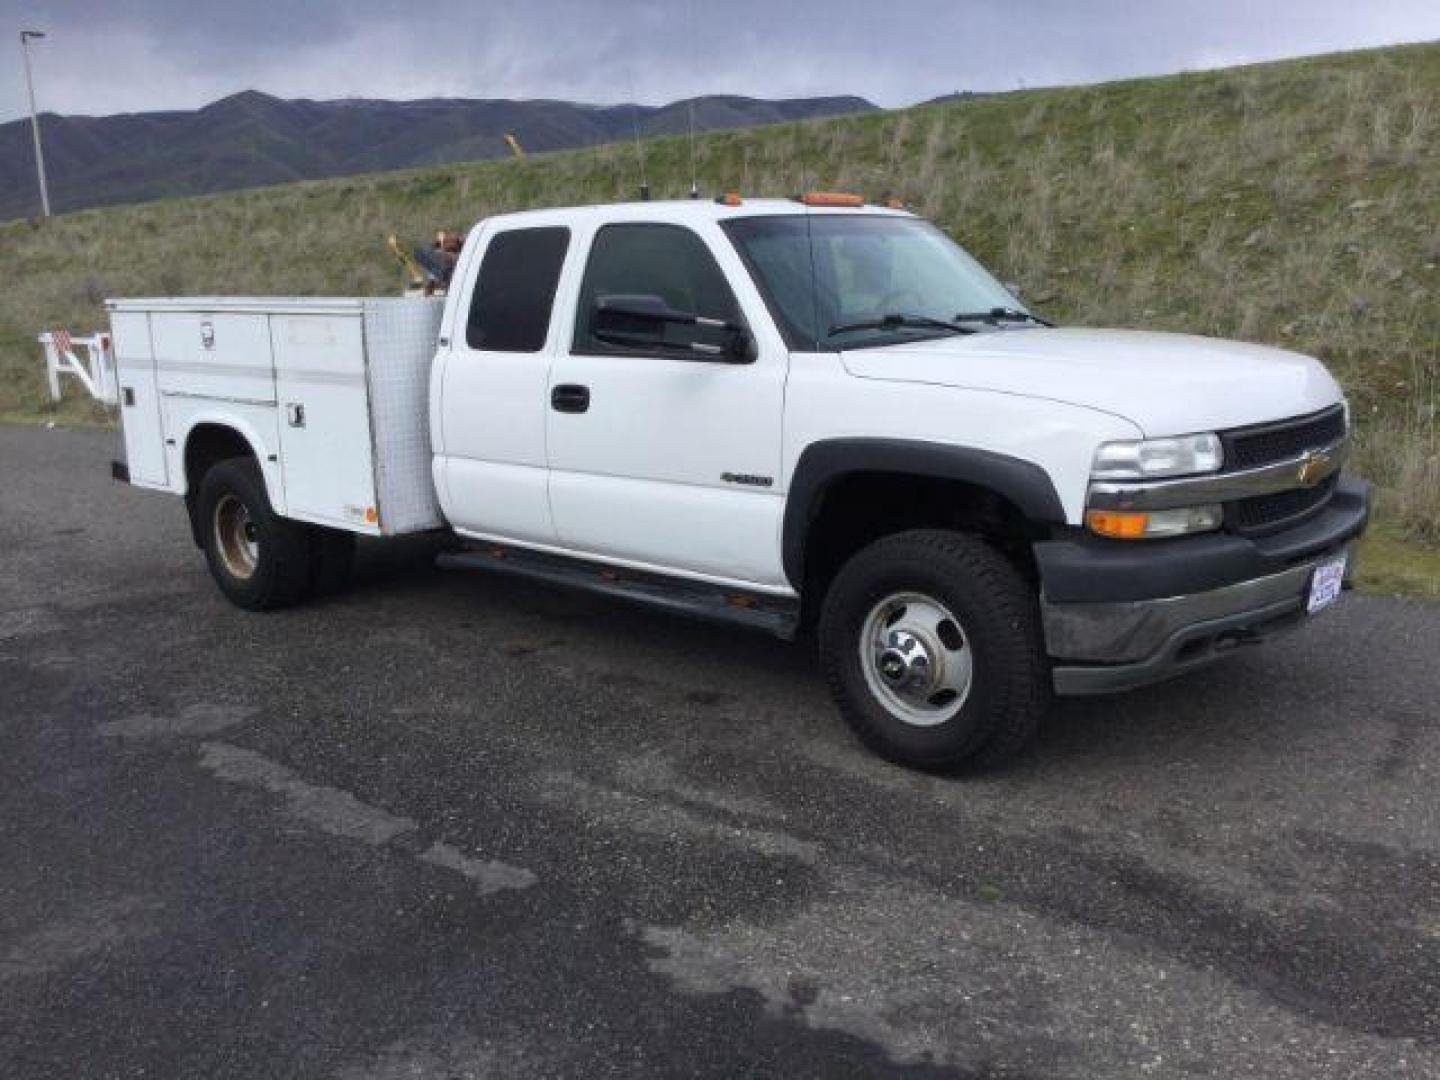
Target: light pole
x=25 y=36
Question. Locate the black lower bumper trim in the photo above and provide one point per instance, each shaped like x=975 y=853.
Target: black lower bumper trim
x=120 y=471
x=1082 y=568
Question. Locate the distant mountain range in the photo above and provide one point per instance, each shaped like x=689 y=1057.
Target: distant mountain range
x=251 y=138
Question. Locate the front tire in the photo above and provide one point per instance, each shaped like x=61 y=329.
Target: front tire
x=931 y=645
x=258 y=559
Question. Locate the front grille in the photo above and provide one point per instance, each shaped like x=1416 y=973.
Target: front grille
x=1268 y=513
x=1262 y=444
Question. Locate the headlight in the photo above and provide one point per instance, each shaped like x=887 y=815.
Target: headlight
x=1153 y=524
x=1143 y=459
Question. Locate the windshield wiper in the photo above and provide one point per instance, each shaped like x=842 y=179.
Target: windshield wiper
x=898 y=320
x=1002 y=314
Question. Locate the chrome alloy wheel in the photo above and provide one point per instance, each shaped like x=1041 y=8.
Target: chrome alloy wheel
x=916 y=659
x=236 y=537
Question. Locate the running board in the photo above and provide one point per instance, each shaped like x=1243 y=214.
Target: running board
x=776 y=615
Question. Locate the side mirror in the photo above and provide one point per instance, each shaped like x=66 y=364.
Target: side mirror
x=647 y=322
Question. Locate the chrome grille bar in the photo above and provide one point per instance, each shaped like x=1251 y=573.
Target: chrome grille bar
x=1305 y=470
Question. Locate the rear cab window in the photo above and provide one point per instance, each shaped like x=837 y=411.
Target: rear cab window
x=515 y=289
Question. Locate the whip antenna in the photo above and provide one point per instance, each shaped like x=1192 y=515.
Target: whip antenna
x=694 y=176
x=639 y=149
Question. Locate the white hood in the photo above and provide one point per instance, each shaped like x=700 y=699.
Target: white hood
x=1166 y=384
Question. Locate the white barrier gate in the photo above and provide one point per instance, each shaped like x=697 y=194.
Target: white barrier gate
x=96 y=371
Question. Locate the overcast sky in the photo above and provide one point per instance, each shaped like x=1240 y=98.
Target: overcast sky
x=106 y=56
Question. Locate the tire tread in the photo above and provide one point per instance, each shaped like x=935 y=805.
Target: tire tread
x=284 y=575
x=1019 y=689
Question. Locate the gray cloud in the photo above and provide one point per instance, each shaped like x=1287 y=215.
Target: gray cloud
x=132 y=55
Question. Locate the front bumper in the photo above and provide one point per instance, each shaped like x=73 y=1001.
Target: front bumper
x=1121 y=614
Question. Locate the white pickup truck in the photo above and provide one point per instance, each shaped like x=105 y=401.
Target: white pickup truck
x=808 y=413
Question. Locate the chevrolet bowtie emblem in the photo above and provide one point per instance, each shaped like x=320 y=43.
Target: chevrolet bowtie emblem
x=1314 y=467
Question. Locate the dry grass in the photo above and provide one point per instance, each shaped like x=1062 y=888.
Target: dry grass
x=1399 y=451
x=1290 y=203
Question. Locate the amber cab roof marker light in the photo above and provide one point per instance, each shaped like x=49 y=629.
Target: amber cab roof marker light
x=730 y=198
x=831 y=198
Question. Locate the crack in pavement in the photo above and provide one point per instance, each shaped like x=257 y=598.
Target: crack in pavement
x=341 y=814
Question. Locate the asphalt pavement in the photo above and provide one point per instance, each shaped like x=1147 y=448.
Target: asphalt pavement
x=450 y=824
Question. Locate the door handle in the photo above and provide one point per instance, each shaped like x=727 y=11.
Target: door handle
x=568 y=397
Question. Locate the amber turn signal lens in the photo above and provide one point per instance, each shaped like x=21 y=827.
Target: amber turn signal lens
x=831 y=198
x=1125 y=524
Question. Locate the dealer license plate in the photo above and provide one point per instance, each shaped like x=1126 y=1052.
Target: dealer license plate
x=1325 y=584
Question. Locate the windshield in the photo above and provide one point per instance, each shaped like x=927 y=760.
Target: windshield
x=840 y=281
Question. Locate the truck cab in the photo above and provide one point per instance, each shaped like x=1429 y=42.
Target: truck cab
x=816 y=414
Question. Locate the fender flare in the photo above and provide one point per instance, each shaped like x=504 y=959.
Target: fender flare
x=1023 y=483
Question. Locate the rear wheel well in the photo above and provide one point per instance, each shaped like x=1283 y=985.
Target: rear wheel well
x=206 y=446
x=859 y=508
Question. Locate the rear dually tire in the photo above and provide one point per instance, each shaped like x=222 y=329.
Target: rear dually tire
x=258 y=559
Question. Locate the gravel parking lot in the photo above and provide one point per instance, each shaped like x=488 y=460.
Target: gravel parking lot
x=458 y=825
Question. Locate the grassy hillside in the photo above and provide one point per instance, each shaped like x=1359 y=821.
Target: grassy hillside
x=1292 y=203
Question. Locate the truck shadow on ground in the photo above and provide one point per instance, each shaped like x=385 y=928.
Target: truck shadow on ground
x=1244 y=706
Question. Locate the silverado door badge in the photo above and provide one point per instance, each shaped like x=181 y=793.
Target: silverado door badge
x=747 y=478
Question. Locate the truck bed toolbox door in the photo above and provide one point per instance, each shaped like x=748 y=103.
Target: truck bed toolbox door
x=139 y=399
x=326 y=450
